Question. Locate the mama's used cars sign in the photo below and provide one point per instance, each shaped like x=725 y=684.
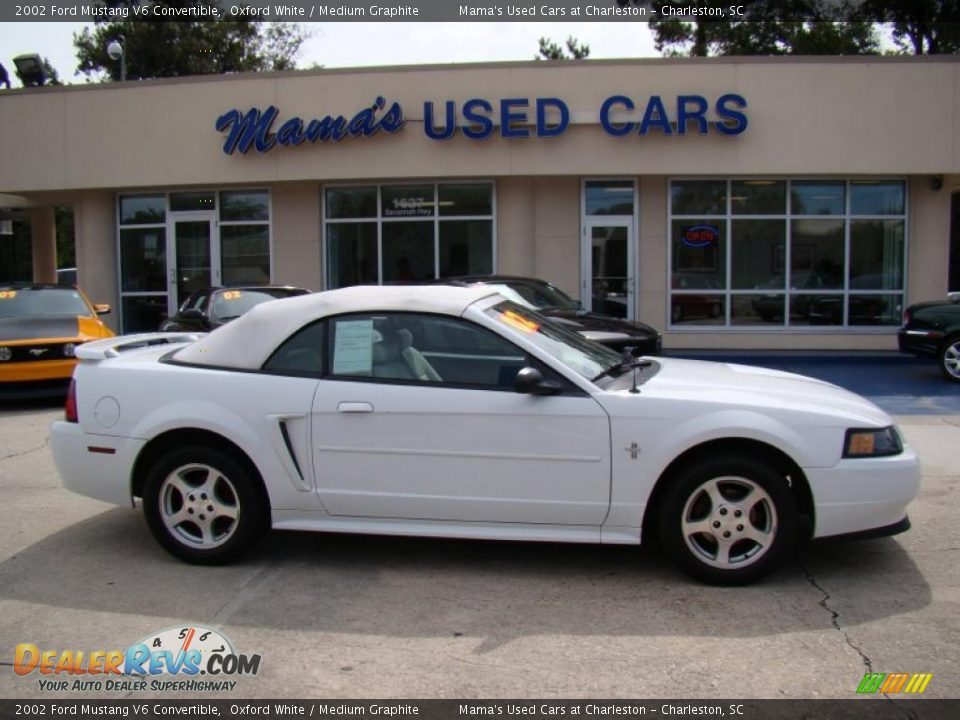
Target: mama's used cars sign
x=262 y=129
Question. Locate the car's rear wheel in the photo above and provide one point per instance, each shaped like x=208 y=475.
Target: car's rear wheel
x=202 y=506
x=729 y=520
x=949 y=358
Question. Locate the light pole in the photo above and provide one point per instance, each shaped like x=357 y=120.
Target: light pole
x=117 y=51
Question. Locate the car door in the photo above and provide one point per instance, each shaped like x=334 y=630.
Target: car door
x=417 y=418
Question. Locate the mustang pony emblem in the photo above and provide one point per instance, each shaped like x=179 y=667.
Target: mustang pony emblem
x=37 y=352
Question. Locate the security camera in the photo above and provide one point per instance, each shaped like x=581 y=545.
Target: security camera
x=115 y=50
x=936 y=183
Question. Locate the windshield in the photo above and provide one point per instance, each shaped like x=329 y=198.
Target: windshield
x=41 y=302
x=572 y=349
x=234 y=303
x=543 y=296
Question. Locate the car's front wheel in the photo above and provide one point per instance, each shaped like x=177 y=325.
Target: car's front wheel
x=203 y=506
x=949 y=358
x=729 y=520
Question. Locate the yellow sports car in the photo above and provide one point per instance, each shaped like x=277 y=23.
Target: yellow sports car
x=40 y=327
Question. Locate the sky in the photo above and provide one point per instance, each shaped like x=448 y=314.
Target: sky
x=344 y=44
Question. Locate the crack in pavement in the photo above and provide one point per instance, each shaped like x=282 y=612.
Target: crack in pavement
x=835 y=623
x=835 y=618
x=23 y=452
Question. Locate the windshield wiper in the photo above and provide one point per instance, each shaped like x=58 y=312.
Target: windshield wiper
x=628 y=362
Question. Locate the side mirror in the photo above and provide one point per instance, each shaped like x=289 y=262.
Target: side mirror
x=193 y=314
x=102 y=309
x=530 y=381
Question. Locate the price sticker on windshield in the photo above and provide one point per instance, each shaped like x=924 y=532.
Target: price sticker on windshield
x=8 y=294
x=232 y=295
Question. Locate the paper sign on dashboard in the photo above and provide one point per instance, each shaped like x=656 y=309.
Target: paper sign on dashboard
x=353 y=348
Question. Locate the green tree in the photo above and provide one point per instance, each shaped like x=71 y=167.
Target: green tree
x=769 y=28
x=171 y=49
x=549 y=50
x=920 y=27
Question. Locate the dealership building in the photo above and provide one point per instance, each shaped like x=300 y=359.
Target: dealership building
x=734 y=203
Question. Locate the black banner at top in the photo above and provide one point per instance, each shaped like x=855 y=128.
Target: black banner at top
x=874 y=708
x=456 y=10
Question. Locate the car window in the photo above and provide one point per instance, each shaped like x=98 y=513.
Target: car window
x=429 y=349
x=229 y=304
x=301 y=354
x=587 y=358
x=33 y=302
x=543 y=296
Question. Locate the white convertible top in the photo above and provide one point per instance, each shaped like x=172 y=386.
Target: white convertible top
x=248 y=341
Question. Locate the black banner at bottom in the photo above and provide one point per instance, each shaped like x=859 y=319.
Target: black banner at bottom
x=865 y=708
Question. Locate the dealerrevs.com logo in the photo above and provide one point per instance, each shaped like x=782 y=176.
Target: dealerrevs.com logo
x=189 y=659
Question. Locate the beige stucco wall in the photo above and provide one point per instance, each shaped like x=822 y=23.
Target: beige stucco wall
x=96 y=245
x=296 y=235
x=854 y=115
x=876 y=116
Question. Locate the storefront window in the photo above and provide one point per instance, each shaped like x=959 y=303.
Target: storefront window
x=143 y=209
x=609 y=197
x=245 y=254
x=182 y=231
x=811 y=197
x=405 y=233
x=781 y=259
x=244 y=205
x=758 y=197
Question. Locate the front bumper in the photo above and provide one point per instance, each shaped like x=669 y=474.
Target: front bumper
x=864 y=494
x=88 y=467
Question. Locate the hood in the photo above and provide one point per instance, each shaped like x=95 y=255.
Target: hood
x=13 y=329
x=745 y=385
x=586 y=321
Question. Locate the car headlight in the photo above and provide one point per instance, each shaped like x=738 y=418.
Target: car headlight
x=872 y=443
x=5 y=354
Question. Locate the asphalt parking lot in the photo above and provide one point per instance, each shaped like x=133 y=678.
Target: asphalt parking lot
x=348 y=616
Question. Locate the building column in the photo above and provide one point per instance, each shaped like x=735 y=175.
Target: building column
x=43 y=240
x=94 y=219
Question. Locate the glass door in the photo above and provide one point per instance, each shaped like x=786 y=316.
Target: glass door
x=608 y=285
x=194 y=258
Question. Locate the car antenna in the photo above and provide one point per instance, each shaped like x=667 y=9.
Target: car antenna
x=630 y=360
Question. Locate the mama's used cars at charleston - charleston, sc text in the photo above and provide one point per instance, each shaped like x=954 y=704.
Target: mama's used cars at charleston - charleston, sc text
x=454 y=412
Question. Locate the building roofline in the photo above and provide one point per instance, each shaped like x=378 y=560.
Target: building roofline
x=501 y=65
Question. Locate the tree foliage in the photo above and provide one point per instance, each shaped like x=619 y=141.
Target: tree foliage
x=171 y=49
x=920 y=27
x=768 y=28
x=549 y=50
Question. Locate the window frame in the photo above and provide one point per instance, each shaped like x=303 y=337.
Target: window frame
x=436 y=219
x=530 y=360
x=788 y=216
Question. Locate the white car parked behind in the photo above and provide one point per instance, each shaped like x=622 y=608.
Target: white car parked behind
x=453 y=412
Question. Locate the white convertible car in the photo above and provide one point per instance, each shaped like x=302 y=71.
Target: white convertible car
x=453 y=412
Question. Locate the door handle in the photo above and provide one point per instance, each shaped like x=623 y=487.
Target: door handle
x=355 y=407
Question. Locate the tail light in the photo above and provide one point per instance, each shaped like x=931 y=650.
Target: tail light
x=70 y=409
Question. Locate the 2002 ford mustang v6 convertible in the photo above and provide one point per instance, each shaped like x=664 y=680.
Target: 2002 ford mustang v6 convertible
x=453 y=412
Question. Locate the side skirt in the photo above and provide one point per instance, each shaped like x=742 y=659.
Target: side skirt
x=318 y=522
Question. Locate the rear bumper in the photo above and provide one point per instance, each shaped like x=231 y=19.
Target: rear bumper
x=859 y=496
x=97 y=466
x=919 y=342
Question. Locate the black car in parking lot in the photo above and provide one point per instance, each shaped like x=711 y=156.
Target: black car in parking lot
x=932 y=329
x=209 y=308
x=551 y=302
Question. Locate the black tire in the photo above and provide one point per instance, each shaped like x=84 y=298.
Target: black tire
x=948 y=358
x=769 y=514
x=188 y=481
